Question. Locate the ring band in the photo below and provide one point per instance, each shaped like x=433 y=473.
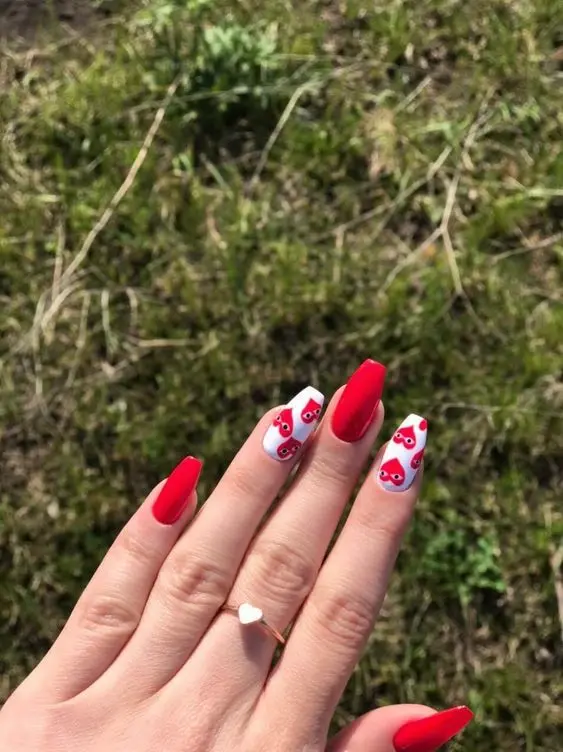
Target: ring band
x=249 y=614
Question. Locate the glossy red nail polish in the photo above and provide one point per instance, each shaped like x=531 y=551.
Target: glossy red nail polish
x=359 y=400
x=428 y=734
x=175 y=496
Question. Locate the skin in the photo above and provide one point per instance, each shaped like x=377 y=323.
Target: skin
x=146 y=660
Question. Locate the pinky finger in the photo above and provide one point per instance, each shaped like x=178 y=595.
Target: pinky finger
x=111 y=606
x=330 y=633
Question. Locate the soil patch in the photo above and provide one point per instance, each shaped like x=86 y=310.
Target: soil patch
x=23 y=18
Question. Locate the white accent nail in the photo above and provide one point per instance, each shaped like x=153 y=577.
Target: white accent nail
x=403 y=455
x=293 y=424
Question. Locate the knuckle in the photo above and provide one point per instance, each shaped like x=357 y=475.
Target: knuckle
x=245 y=483
x=194 y=581
x=334 y=468
x=387 y=527
x=345 y=618
x=109 y=614
x=135 y=548
x=243 y=480
x=287 y=573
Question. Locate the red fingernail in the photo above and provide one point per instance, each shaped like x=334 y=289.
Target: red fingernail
x=428 y=734
x=357 y=405
x=175 y=496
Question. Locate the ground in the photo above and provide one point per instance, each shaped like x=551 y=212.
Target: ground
x=22 y=18
x=206 y=206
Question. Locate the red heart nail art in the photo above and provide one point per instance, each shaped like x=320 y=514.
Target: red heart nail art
x=417 y=460
x=288 y=448
x=403 y=455
x=284 y=421
x=405 y=436
x=311 y=411
x=293 y=424
x=392 y=472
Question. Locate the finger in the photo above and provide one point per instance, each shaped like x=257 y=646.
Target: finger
x=283 y=561
x=198 y=575
x=374 y=731
x=330 y=633
x=401 y=728
x=110 y=607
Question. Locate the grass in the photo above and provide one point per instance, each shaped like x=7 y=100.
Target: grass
x=328 y=181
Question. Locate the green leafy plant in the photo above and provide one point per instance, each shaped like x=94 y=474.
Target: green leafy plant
x=237 y=59
x=225 y=69
x=459 y=563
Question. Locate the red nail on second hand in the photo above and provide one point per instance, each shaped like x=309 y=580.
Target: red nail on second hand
x=429 y=734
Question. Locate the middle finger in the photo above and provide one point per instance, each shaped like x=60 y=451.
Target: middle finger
x=199 y=572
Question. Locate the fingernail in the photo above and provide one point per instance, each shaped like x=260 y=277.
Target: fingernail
x=293 y=424
x=175 y=496
x=403 y=455
x=358 y=402
x=428 y=734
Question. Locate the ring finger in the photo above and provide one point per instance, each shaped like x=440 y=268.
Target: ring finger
x=282 y=564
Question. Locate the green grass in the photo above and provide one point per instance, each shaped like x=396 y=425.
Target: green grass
x=409 y=208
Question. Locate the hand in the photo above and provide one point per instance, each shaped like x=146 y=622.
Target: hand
x=148 y=660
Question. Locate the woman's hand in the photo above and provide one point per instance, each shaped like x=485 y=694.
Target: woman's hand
x=148 y=660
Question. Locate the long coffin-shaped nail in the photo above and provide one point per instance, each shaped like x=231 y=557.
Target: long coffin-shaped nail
x=428 y=734
x=293 y=424
x=403 y=456
x=358 y=402
x=176 y=493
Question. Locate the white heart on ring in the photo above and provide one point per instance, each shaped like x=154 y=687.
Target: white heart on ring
x=249 y=614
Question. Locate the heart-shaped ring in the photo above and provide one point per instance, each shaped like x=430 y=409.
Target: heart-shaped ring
x=249 y=614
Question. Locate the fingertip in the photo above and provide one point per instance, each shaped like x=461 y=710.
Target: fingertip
x=376 y=730
x=176 y=496
x=355 y=406
x=399 y=462
x=428 y=734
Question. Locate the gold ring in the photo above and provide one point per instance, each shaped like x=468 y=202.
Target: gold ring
x=249 y=614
